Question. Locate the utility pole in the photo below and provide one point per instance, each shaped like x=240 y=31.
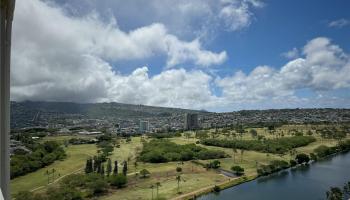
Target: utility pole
x=6 y=16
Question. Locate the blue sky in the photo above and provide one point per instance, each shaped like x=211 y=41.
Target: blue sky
x=215 y=55
x=276 y=28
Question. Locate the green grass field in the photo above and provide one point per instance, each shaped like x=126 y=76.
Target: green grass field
x=194 y=176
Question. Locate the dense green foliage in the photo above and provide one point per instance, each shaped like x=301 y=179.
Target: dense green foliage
x=42 y=155
x=324 y=151
x=336 y=193
x=119 y=180
x=216 y=188
x=274 y=166
x=238 y=170
x=158 y=151
x=280 y=145
x=164 y=135
x=302 y=158
x=213 y=165
x=293 y=163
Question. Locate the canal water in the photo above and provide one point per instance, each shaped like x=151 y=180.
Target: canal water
x=309 y=182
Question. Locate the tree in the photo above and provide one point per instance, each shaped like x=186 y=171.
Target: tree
x=334 y=193
x=214 y=164
x=234 y=153
x=115 y=170
x=109 y=167
x=102 y=172
x=158 y=185
x=125 y=168
x=178 y=169
x=216 y=189
x=313 y=157
x=144 y=173
x=99 y=168
x=238 y=170
x=95 y=164
x=302 y=158
x=254 y=133
x=242 y=151
x=152 y=187
x=89 y=166
x=178 y=179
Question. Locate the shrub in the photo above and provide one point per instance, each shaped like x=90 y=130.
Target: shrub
x=293 y=163
x=216 y=188
x=213 y=165
x=313 y=157
x=302 y=158
x=238 y=170
x=274 y=166
x=144 y=173
x=98 y=186
x=118 y=180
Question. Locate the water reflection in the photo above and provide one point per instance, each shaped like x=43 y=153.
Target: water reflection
x=278 y=175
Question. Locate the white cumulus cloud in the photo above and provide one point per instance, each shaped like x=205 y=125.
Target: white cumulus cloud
x=339 y=23
x=60 y=57
x=324 y=67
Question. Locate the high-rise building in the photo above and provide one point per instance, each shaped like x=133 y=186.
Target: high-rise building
x=144 y=126
x=191 y=121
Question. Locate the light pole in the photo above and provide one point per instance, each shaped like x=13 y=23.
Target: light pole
x=6 y=16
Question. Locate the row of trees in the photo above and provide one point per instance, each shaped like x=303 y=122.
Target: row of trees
x=302 y=158
x=96 y=165
x=278 y=146
x=274 y=166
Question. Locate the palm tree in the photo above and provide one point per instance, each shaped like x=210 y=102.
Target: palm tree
x=234 y=153
x=178 y=179
x=242 y=151
x=158 y=185
x=53 y=174
x=152 y=187
x=109 y=167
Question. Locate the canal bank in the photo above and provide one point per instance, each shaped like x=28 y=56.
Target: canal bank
x=305 y=182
